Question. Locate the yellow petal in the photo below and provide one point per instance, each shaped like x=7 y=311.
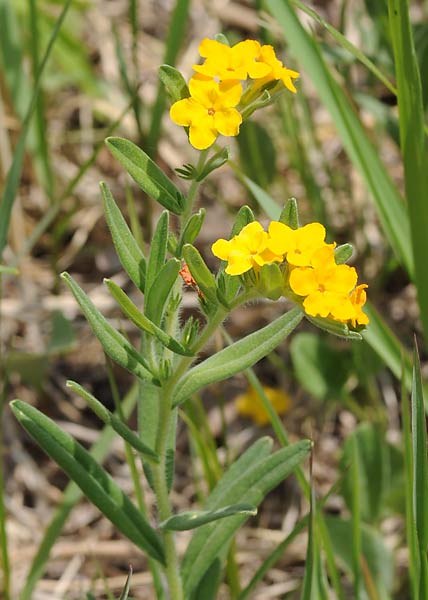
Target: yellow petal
x=221 y=248
x=257 y=70
x=204 y=90
x=303 y=281
x=311 y=236
x=181 y=112
x=213 y=48
x=230 y=93
x=317 y=304
x=202 y=137
x=287 y=77
x=340 y=279
x=281 y=237
x=239 y=265
x=227 y=121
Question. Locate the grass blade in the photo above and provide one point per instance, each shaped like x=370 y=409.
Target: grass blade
x=390 y=207
x=174 y=39
x=413 y=143
x=420 y=475
x=13 y=176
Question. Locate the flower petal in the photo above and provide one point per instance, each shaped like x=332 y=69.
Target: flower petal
x=239 y=265
x=230 y=93
x=204 y=90
x=202 y=137
x=181 y=111
x=221 y=248
x=317 y=303
x=303 y=281
x=281 y=237
x=227 y=121
x=340 y=279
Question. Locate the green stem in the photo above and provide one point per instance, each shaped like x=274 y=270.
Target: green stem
x=135 y=476
x=194 y=188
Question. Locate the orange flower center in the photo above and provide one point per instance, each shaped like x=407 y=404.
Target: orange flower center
x=211 y=112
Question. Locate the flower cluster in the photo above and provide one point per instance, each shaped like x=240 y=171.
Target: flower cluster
x=216 y=89
x=311 y=275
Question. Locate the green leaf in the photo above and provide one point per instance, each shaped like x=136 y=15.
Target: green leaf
x=70 y=497
x=364 y=156
x=128 y=251
x=191 y=230
x=111 y=419
x=250 y=484
x=147 y=174
x=244 y=217
x=257 y=153
x=159 y=291
x=238 y=356
x=92 y=479
x=271 y=281
x=200 y=272
x=215 y=162
x=343 y=253
x=113 y=342
x=377 y=556
x=158 y=248
x=141 y=321
x=125 y=592
x=413 y=142
x=195 y=518
x=174 y=82
x=321 y=368
x=335 y=328
x=290 y=214
x=420 y=474
x=209 y=584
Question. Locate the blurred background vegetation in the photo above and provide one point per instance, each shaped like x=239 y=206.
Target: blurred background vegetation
x=74 y=72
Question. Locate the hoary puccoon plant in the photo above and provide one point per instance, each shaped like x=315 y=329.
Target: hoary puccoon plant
x=282 y=261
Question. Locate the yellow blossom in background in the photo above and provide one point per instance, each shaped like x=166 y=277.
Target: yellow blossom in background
x=358 y=299
x=231 y=62
x=250 y=405
x=277 y=71
x=326 y=286
x=246 y=250
x=298 y=245
x=209 y=111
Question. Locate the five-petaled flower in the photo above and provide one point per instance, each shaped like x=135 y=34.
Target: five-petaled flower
x=209 y=110
x=298 y=245
x=246 y=250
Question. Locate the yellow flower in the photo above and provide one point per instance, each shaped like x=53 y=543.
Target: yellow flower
x=236 y=62
x=358 y=299
x=298 y=245
x=246 y=250
x=326 y=286
x=250 y=405
x=209 y=110
x=277 y=70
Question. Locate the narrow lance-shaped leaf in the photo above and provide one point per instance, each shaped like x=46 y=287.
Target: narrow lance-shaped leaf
x=174 y=83
x=93 y=480
x=290 y=214
x=158 y=248
x=195 y=518
x=250 y=485
x=72 y=494
x=128 y=251
x=113 y=343
x=199 y=270
x=141 y=321
x=111 y=419
x=191 y=230
x=125 y=593
x=160 y=290
x=147 y=174
x=238 y=356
